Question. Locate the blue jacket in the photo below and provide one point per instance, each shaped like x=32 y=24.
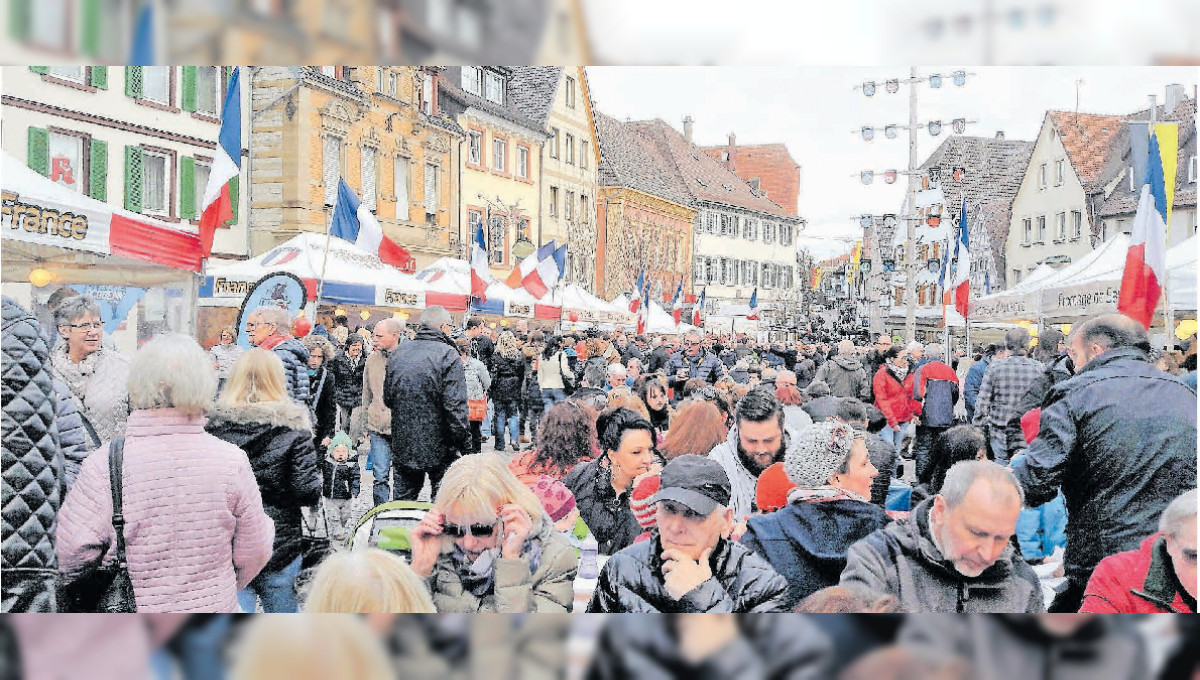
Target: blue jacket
x=971 y=384
x=1119 y=438
x=806 y=542
x=1042 y=529
x=705 y=366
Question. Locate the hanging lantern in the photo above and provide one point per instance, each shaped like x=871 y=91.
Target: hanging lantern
x=935 y=80
x=960 y=78
x=959 y=173
x=889 y=265
x=364 y=315
x=866 y=176
x=890 y=177
x=892 y=86
x=889 y=220
x=933 y=220
x=935 y=127
x=890 y=131
x=866 y=221
x=933 y=265
x=868 y=88
x=868 y=133
x=40 y=277
x=959 y=125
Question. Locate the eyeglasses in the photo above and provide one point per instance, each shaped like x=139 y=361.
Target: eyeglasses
x=251 y=325
x=691 y=343
x=87 y=325
x=460 y=530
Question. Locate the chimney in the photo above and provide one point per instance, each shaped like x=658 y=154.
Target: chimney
x=999 y=135
x=687 y=128
x=1175 y=96
x=732 y=151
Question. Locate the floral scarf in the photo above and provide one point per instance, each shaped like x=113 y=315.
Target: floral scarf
x=823 y=493
x=478 y=577
x=75 y=375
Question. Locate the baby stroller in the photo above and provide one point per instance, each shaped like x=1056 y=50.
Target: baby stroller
x=387 y=525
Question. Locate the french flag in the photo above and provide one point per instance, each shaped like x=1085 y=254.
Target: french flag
x=1146 y=261
x=643 y=314
x=479 y=264
x=753 y=315
x=677 y=304
x=538 y=272
x=699 y=306
x=216 y=208
x=635 y=299
x=353 y=222
x=962 y=265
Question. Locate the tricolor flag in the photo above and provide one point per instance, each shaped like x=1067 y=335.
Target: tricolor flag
x=479 y=264
x=1146 y=261
x=216 y=208
x=643 y=314
x=699 y=306
x=560 y=258
x=753 y=315
x=353 y=222
x=962 y=265
x=538 y=272
x=635 y=298
x=677 y=304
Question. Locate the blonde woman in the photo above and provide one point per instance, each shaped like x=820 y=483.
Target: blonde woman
x=488 y=546
x=310 y=648
x=370 y=581
x=508 y=376
x=256 y=414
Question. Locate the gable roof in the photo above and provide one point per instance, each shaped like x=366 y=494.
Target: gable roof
x=706 y=179
x=993 y=168
x=1088 y=139
x=1123 y=200
x=513 y=110
x=533 y=89
x=631 y=159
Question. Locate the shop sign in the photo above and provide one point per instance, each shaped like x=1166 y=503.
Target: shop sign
x=29 y=221
x=403 y=298
x=518 y=309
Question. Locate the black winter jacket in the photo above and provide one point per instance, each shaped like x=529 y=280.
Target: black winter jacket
x=1120 y=439
x=277 y=438
x=782 y=647
x=32 y=466
x=632 y=581
x=349 y=375
x=340 y=481
x=606 y=514
x=1059 y=370
x=658 y=360
x=508 y=375
x=322 y=400
x=426 y=388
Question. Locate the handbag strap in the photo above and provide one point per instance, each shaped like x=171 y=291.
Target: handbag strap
x=116 y=460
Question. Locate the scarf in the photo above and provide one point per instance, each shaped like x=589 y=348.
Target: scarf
x=75 y=375
x=479 y=576
x=823 y=493
x=900 y=373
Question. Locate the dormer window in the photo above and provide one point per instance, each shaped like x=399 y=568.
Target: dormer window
x=494 y=87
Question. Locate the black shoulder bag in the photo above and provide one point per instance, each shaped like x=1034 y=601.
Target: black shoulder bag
x=105 y=589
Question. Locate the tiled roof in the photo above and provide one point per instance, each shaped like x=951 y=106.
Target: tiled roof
x=449 y=87
x=1088 y=139
x=631 y=159
x=1123 y=200
x=533 y=90
x=706 y=179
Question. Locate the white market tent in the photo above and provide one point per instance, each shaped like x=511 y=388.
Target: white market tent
x=450 y=276
x=660 y=320
x=588 y=308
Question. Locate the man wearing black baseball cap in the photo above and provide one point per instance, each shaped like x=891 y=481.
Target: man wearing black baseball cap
x=689 y=564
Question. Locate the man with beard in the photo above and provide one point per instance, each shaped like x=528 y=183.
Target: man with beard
x=755 y=442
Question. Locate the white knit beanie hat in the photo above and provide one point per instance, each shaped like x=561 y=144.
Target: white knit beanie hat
x=815 y=454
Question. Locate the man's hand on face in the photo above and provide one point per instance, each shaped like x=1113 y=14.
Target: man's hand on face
x=683 y=574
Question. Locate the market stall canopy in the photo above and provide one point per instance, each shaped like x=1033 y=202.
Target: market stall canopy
x=588 y=308
x=451 y=278
x=1014 y=303
x=46 y=224
x=660 y=321
x=352 y=276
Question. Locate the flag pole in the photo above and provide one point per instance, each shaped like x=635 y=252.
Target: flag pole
x=325 y=259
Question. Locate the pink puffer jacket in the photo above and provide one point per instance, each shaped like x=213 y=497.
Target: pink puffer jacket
x=195 y=527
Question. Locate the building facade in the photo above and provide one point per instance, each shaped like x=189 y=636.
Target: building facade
x=768 y=168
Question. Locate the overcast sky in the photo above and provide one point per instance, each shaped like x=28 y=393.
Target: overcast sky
x=814 y=110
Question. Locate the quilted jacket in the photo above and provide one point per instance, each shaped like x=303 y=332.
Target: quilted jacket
x=99 y=384
x=73 y=437
x=349 y=374
x=295 y=364
x=32 y=466
x=195 y=528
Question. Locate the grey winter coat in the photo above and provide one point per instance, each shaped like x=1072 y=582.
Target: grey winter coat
x=478 y=379
x=73 y=437
x=32 y=466
x=902 y=560
x=846 y=377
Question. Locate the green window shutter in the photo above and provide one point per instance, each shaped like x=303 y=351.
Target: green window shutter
x=20 y=16
x=233 y=197
x=98 y=170
x=133 y=178
x=100 y=77
x=133 y=81
x=40 y=69
x=38 y=150
x=189 y=88
x=90 y=26
x=226 y=73
x=187 y=188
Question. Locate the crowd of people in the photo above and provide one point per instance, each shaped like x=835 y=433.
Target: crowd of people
x=703 y=474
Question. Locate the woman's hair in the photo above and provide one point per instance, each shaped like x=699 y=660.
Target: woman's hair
x=788 y=396
x=310 y=648
x=317 y=342
x=464 y=347
x=566 y=435
x=692 y=386
x=476 y=485
x=698 y=428
x=739 y=392
x=257 y=377
x=370 y=581
x=848 y=600
x=507 y=346
x=228 y=330
x=959 y=443
x=1047 y=347
x=171 y=371
x=354 y=339
x=553 y=345
x=613 y=423
x=648 y=385
x=892 y=352
x=623 y=398
x=75 y=307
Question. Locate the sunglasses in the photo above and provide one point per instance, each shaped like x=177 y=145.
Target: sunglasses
x=476 y=530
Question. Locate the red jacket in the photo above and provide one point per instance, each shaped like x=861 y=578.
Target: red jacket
x=1136 y=582
x=895 y=399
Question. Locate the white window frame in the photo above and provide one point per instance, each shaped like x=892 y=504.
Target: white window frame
x=569 y=206
x=427 y=94
x=330 y=180
x=554 y=201
x=1027 y=223
x=569 y=148
x=68 y=73
x=523 y=162
x=1192 y=171
x=474 y=147
x=434 y=202
x=1059 y=172
x=368 y=167
x=499 y=154
x=216 y=90
x=584 y=209
x=1041 y=229
x=167 y=72
x=584 y=150
x=166 y=183
x=1060 y=226
x=472 y=80
x=553 y=142
x=493 y=87
x=1041 y=178
x=400 y=165
x=203 y=170
x=79 y=171
x=379 y=79
x=570 y=93
x=1077 y=224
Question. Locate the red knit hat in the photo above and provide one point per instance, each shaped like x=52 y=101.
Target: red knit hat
x=639 y=501
x=556 y=498
x=773 y=488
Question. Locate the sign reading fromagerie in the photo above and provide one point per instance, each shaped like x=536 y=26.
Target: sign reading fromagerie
x=1004 y=308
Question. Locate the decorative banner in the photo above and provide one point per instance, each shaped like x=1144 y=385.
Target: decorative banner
x=959 y=125
x=115 y=302
x=935 y=80
x=866 y=176
x=890 y=177
x=960 y=78
x=958 y=174
x=890 y=131
x=279 y=289
x=893 y=86
x=868 y=88
x=935 y=127
x=1084 y=300
x=868 y=133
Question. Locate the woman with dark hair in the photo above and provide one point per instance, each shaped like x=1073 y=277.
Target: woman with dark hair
x=652 y=390
x=699 y=426
x=959 y=443
x=565 y=438
x=602 y=486
x=555 y=375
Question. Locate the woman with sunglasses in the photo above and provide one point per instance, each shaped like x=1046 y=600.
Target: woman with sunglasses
x=96 y=376
x=223 y=354
x=488 y=546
